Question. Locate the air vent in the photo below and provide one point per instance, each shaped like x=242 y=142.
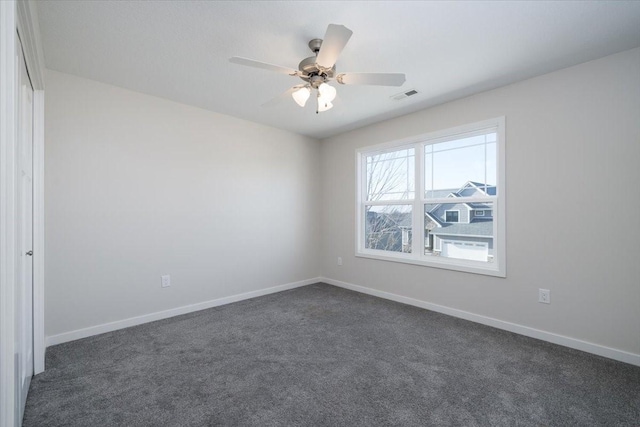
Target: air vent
x=403 y=95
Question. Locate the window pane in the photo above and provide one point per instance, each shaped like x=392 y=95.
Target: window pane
x=463 y=167
x=452 y=216
x=388 y=228
x=470 y=238
x=391 y=176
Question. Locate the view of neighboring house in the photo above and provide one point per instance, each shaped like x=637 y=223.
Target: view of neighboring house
x=453 y=230
x=461 y=230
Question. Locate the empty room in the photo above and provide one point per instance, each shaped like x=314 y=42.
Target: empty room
x=317 y=213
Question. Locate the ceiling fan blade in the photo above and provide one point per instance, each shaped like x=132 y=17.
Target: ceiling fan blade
x=257 y=64
x=282 y=97
x=335 y=39
x=378 y=79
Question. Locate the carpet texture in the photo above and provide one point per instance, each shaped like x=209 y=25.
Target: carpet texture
x=324 y=356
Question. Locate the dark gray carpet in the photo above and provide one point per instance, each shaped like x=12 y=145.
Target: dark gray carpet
x=324 y=356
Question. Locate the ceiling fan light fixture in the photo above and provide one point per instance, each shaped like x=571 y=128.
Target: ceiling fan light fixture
x=319 y=69
x=301 y=95
x=327 y=92
x=324 y=104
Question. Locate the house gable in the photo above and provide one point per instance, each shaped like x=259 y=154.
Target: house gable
x=469 y=189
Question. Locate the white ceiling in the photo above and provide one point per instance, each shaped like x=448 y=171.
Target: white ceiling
x=179 y=50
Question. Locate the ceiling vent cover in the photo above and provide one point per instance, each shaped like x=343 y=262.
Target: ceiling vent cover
x=403 y=95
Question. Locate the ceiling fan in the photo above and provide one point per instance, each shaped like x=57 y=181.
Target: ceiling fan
x=317 y=71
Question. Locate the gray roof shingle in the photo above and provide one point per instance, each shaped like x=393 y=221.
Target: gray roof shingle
x=476 y=228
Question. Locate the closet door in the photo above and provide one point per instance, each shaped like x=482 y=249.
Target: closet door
x=24 y=289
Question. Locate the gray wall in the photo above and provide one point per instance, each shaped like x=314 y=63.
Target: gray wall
x=138 y=186
x=573 y=148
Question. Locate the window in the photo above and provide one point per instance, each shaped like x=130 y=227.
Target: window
x=452 y=216
x=435 y=200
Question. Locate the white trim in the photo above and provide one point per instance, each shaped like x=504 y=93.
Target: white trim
x=456 y=201
x=597 y=349
x=418 y=214
x=360 y=192
x=464 y=266
x=8 y=94
x=500 y=226
x=29 y=30
x=389 y=202
x=417 y=256
x=27 y=24
x=38 y=232
x=551 y=337
x=152 y=317
x=475 y=186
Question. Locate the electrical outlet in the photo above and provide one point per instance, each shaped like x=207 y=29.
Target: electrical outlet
x=544 y=296
x=339 y=260
x=165 y=281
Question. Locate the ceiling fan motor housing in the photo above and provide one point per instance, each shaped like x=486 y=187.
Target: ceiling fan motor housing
x=310 y=71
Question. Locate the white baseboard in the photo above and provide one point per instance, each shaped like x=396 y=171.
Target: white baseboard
x=611 y=353
x=152 y=317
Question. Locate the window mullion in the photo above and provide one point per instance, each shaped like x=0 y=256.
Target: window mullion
x=473 y=199
x=388 y=202
x=417 y=230
x=361 y=197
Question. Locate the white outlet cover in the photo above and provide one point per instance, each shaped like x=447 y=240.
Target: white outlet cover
x=544 y=296
x=165 y=281
x=339 y=260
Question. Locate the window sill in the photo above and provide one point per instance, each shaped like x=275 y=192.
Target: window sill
x=475 y=267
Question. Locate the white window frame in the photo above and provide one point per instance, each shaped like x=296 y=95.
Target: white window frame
x=497 y=266
x=478 y=213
